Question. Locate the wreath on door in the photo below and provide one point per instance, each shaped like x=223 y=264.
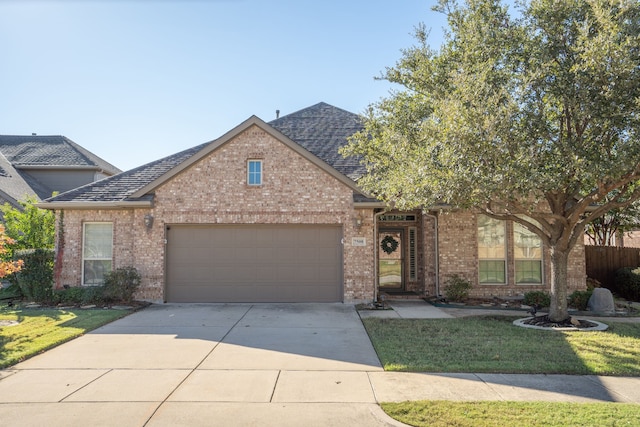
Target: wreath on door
x=389 y=244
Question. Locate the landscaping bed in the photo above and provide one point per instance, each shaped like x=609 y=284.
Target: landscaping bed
x=623 y=308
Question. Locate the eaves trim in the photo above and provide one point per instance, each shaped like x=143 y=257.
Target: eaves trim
x=96 y=205
x=27 y=166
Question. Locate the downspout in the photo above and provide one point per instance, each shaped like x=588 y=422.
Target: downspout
x=435 y=219
x=375 y=255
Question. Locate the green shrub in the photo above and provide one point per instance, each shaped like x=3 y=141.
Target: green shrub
x=627 y=283
x=537 y=299
x=121 y=284
x=10 y=292
x=79 y=295
x=580 y=299
x=93 y=295
x=35 y=279
x=457 y=288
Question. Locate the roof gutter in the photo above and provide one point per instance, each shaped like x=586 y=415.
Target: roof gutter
x=96 y=205
x=369 y=205
x=27 y=166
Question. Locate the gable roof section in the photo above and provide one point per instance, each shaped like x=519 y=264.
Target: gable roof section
x=133 y=188
x=323 y=129
x=54 y=151
x=214 y=145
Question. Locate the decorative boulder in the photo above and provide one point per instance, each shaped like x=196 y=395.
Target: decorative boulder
x=601 y=300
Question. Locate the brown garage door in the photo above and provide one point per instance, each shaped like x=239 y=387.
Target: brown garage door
x=254 y=263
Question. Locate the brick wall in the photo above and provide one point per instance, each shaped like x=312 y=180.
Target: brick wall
x=458 y=249
x=294 y=191
x=214 y=191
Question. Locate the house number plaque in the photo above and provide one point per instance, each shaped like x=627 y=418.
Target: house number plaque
x=358 y=241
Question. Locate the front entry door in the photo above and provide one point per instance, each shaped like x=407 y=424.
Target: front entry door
x=390 y=259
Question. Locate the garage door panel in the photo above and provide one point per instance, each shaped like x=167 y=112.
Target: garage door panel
x=250 y=263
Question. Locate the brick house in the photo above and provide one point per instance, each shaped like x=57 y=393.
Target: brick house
x=271 y=212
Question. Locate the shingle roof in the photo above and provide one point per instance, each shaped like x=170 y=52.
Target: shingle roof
x=120 y=187
x=13 y=186
x=24 y=151
x=323 y=129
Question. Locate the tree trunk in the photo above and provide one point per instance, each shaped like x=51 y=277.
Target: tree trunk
x=558 y=311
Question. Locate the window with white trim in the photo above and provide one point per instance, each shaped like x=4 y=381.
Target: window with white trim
x=97 y=252
x=527 y=255
x=254 y=172
x=492 y=251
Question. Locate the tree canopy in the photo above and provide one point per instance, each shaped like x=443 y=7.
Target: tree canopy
x=29 y=227
x=530 y=116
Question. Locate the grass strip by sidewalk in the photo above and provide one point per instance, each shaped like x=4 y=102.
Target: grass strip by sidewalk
x=491 y=344
x=499 y=414
x=41 y=329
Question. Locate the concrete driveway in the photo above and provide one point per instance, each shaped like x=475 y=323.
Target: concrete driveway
x=204 y=365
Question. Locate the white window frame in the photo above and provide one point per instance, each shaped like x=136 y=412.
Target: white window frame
x=251 y=174
x=84 y=258
x=504 y=260
x=516 y=259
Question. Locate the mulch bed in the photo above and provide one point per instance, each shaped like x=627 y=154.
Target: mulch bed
x=571 y=322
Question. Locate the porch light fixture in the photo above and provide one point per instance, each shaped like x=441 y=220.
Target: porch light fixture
x=357 y=221
x=148 y=221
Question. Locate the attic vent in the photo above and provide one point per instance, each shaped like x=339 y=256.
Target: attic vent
x=4 y=172
x=412 y=254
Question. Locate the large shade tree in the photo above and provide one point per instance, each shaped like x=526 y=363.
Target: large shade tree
x=531 y=116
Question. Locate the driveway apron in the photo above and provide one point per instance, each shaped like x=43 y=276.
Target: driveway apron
x=204 y=364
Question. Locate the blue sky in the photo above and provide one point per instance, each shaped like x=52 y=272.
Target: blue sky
x=134 y=81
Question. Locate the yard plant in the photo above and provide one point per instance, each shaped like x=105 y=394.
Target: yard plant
x=529 y=116
x=457 y=288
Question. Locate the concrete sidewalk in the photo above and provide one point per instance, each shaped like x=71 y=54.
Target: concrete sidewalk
x=262 y=365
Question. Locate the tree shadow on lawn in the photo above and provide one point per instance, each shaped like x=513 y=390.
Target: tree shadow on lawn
x=492 y=345
x=40 y=329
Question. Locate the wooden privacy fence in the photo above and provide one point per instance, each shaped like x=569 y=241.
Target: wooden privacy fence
x=603 y=261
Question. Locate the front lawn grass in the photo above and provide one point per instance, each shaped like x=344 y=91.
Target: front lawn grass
x=41 y=329
x=499 y=414
x=491 y=344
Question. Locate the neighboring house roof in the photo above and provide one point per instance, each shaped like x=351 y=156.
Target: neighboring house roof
x=13 y=186
x=37 y=151
x=21 y=156
x=135 y=187
x=323 y=129
x=119 y=188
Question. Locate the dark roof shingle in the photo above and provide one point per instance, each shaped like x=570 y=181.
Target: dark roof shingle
x=323 y=129
x=120 y=187
x=24 y=151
